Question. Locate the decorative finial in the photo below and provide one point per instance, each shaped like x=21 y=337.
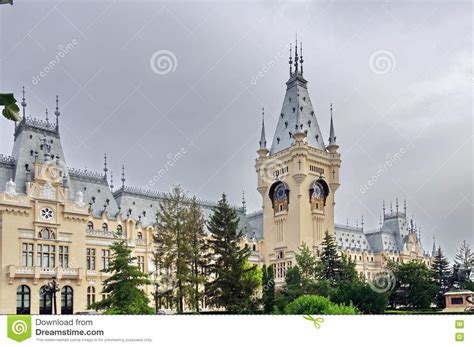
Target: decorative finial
x=332 y=134
x=380 y=221
x=123 y=176
x=383 y=208
x=57 y=113
x=105 y=165
x=347 y=221
x=47 y=120
x=111 y=180
x=296 y=55
x=263 y=141
x=391 y=207
x=405 y=206
x=291 y=61
x=23 y=102
x=362 y=222
x=301 y=56
x=396 y=204
x=244 y=203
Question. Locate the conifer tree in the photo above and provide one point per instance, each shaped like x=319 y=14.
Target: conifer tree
x=268 y=289
x=173 y=241
x=227 y=287
x=199 y=256
x=330 y=259
x=440 y=276
x=306 y=262
x=124 y=295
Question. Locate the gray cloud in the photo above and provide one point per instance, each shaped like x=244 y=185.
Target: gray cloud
x=112 y=100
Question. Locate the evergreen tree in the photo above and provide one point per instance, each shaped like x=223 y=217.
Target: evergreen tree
x=440 y=276
x=268 y=289
x=306 y=262
x=124 y=295
x=199 y=256
x=173 y=241
x=330 y=259
x=464 y=256
x=227 y=287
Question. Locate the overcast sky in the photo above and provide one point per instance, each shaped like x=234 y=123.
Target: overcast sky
x=399 y=76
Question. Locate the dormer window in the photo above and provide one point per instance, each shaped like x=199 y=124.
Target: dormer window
x=90 y=226
x=309 y=123
x=286 y=124
x=105 y=227
x=282 y=115
x=119 y=229
x=294 y=109
x=140 y=236
x=278 y=140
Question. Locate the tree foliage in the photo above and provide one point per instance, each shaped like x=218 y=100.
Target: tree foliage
x=230 y=285
x=313 y=304
x=123 y=288
x=440 y=276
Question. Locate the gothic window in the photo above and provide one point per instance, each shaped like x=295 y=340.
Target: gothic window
x=27 y=254
x=23 y=299
x=279 y=195
x=46 y=256
x=90 y=295
x=119 y=229
x=105 y=227
x=254 y=248
x=46 y=234
x=90 y=225
x=64 y=257
x=105 y=258
x=140 y=236
x=318 y=193
x=66 y=300
x=90 y=259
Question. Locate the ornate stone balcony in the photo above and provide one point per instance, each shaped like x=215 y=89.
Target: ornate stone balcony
x=37 y=272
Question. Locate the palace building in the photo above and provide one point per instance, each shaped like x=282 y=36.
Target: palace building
x=58 y=222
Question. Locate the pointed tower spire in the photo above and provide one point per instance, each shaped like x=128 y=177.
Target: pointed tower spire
x=47 y=119
x=263 y=150
x=263 y=141
x=290 y=61
x=296 y=55
x=105 y=165
x=57 y=113
x=333 y=146
x=383 y=208
x=362 y=222
x=244 y=203
x=23 y=102
x=123 y=176
x=396 y=204
x=380 y=222
x=111 y=180
x=301 y=56
x=405 y=207
x=433 y=252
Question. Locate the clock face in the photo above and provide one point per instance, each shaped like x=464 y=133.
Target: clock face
x=317 y=191
x=46 y=213
x=280 y=192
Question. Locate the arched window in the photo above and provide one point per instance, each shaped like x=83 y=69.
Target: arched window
x=254 y=248
x=90 y=225
x=140 y=236
x=119 y=229
x=46 y=234
x=23 y=300
x=45 y=301
x=90 y=296
x=105 y=227
x=66 y=300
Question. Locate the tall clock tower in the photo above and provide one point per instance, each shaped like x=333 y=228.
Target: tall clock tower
x=297 y=177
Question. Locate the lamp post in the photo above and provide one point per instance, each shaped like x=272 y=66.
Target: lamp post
x=51 y=289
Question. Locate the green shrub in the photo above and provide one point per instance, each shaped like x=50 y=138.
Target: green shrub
x=313 y=304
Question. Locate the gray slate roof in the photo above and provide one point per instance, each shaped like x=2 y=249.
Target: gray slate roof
x=297 y=104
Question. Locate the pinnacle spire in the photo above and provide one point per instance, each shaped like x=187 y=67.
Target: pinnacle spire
x=290 y=61
x=263 y=141
x=47 y=119
x=433 y=252
x=296 y=54
x=123 y=176
x=111 y=180
x=332 y=135
x=23 y=102
x=105 y=165
x=244 y=203
x=57 y=113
